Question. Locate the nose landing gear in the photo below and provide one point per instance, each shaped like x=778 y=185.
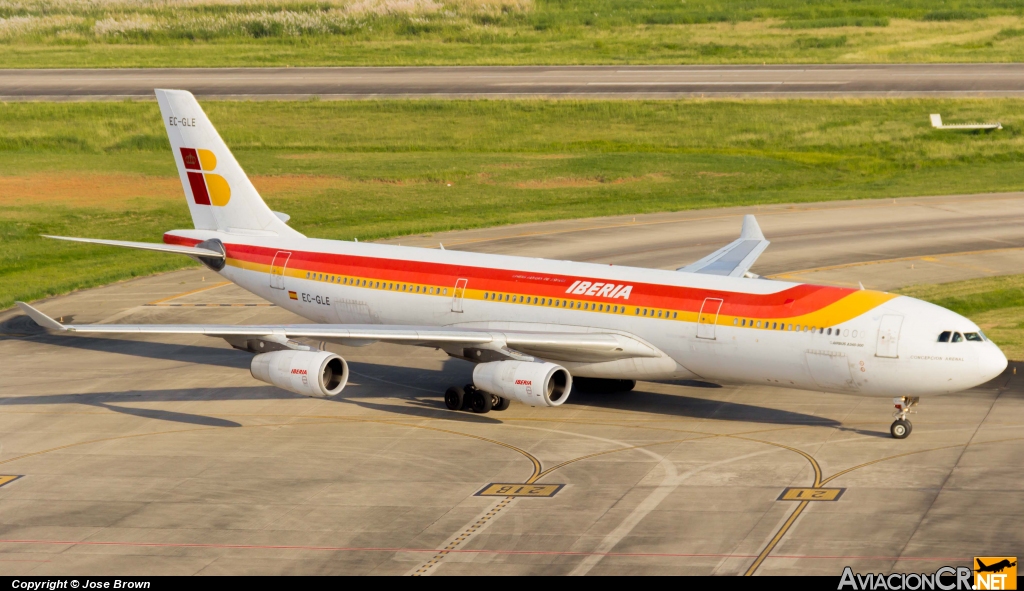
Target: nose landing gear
x=901 y=427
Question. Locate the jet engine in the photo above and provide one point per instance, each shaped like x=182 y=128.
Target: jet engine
x=311 y=373
x=529 y=382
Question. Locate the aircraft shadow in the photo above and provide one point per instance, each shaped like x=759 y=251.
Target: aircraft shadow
x=681 y=405
x=392 y=379
x=216 y=356
x=113 y=401
x=378 y=381
x=456 y=371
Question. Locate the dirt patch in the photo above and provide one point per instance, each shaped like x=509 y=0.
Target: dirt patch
x=296 y=185
x=115 y=189
x=578 y=182
x=717 y=174
x=86 y=190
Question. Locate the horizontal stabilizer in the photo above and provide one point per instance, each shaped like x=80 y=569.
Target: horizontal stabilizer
x=155 y=246
x=735 y=259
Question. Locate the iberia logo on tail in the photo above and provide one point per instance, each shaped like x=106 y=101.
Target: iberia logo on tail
x=207 y=188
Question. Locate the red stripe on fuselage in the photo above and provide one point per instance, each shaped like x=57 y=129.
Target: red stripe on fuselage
x=795 y=301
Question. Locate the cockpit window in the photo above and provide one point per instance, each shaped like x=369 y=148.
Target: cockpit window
x=973 y=336
x=957 y=337
x=944 y=336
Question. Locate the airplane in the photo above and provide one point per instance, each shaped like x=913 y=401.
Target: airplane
x=994 y=568
x=532 y=326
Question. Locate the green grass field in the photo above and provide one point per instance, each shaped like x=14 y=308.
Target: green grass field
x=996 y=304
x=174 y=33
x=372 y=169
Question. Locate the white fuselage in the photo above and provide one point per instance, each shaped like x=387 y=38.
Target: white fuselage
x=705 y=327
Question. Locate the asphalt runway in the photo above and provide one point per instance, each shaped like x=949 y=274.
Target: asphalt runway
x=824 y=81
x=163 y=456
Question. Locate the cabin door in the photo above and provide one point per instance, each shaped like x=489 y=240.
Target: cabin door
x=460 y=292
x=708 y=318
x=889 y=336
x=277 y=269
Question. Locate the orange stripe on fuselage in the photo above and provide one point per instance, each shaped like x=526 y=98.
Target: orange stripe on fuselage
x=800 y=303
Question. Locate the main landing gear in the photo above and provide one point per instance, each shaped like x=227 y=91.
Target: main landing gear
x=901 y=427
x=472 y=398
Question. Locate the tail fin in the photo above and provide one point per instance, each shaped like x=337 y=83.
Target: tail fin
x=220 y=196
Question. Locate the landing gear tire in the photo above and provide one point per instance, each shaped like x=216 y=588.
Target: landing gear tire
x=479 y=401
x=454 y=398
x=501 y=404
x=900 y=429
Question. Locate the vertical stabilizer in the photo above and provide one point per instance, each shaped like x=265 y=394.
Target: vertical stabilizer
x=220 y=195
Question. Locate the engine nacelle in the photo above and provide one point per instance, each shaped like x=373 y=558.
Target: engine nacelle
x=311 y=373
x=529 y=382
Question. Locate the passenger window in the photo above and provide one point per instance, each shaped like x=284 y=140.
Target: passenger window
x=790 y=327
x=759 y=324
x=735 y=321
x=743 y=322
x=854 y=334
x=445 y=291
x=957 y=338
x=645 y=311
x=972 y=336
x=659 y=313
x=829 y=331
x=675 y=315
x=944 y=336
x=775 y=325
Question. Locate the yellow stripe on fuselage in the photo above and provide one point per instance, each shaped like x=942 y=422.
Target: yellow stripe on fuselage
x=845 y=309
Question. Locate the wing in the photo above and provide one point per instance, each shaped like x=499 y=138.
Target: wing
x=565 y=346
x=156 y=246
x=735 y=259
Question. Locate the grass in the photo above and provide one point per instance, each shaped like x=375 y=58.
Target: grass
x=371 y=169
x=177 y=33
x=996 y=304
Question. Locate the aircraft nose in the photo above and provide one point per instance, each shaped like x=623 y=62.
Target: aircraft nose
x=991 y=363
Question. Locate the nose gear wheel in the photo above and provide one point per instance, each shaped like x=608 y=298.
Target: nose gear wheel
x=901 y=427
